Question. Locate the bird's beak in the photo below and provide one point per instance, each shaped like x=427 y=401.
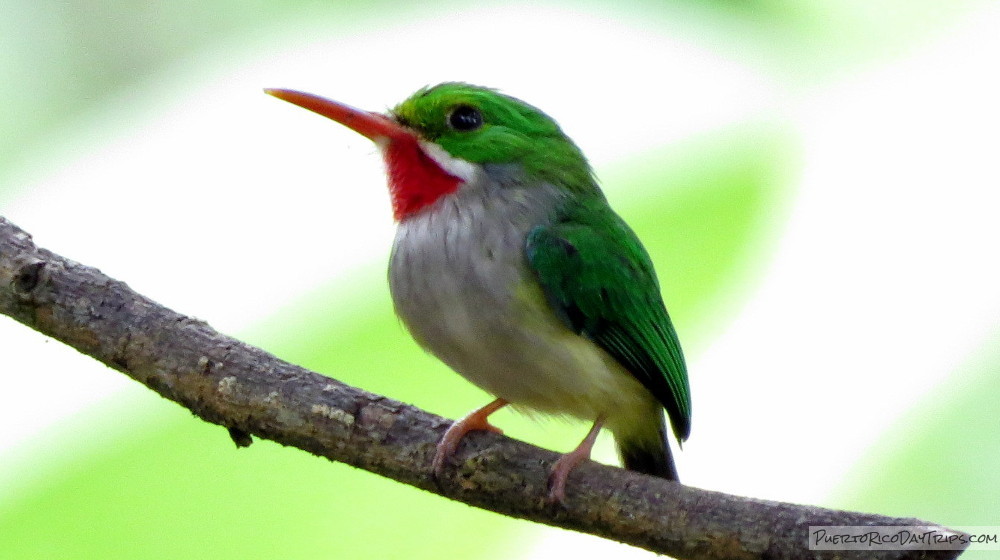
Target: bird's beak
x=374 y=126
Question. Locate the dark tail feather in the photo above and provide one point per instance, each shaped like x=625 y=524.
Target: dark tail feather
x=647 y=456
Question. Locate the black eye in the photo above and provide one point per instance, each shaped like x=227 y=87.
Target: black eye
x=465 y=118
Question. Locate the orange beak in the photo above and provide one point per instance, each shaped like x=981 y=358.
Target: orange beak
x=374 y=126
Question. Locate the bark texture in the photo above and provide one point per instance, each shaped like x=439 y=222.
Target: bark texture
x=251 y=392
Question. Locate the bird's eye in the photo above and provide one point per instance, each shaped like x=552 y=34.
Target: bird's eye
x=465 y=118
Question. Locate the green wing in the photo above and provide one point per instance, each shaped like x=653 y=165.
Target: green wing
x=599 y=279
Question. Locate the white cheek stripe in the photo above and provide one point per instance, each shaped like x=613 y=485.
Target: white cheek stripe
x=464 y=170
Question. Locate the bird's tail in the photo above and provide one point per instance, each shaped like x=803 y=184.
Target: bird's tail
x=647 y=454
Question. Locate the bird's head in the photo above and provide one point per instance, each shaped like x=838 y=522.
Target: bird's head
x=451 y=134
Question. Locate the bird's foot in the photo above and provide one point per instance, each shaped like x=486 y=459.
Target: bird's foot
x=476 y=420
x=565 y=464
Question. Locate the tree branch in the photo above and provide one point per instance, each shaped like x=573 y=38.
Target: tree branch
x=249 y=391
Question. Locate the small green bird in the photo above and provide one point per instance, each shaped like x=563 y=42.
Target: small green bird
x=510 y=266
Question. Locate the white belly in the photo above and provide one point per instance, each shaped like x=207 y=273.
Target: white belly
x=461 y=284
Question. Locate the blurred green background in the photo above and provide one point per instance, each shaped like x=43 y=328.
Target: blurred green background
x=812 y=179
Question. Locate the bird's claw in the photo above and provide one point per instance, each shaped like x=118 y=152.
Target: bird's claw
x=444 y=450
x=477 y=420
x=558 y=476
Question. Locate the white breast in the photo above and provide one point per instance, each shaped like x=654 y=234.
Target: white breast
x=460 y=282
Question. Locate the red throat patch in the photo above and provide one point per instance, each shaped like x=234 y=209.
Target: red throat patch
x=415 y=180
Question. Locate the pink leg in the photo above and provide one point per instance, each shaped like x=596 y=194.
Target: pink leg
x=566 y=463
x=475 y=420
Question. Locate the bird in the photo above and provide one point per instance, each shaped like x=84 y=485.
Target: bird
x=510 y=266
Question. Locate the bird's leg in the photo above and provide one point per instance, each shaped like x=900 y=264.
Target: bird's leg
x=475 y=420
x=566 y=463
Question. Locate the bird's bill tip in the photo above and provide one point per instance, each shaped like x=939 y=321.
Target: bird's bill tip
x=373 y=126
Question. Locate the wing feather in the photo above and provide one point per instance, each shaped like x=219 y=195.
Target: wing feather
x=600 y=280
